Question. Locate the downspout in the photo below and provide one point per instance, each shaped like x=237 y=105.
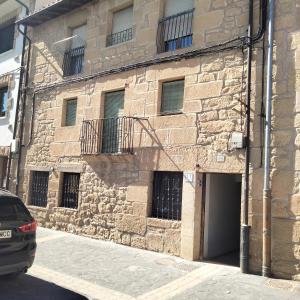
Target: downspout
x=266 y=267
x=244 y=256
x=22 y=70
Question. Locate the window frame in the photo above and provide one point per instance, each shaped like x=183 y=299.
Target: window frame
x=161 y=112
x=3 y=90
x=65 y=112
x=5 y=26
x=158 y=200
x=43 y=202
x=64 y=203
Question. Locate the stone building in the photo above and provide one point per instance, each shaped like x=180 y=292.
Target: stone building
x=135 y=122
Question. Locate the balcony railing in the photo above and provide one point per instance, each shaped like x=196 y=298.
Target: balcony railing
x=73 y=61
x=107 y=136
x=175 y=32
x=120 y=37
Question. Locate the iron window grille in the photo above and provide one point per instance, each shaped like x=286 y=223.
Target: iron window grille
x=3 y=101
x=120 y=37
x=70 y=190
x=7 y=36
x=167 y=195
x=39 y=188
x=175 y=32
x=73 y=61
x=107 y=136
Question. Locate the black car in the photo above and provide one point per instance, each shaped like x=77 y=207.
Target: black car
x=17 y=235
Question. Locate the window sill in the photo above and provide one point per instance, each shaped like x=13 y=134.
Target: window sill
x=66 y=209
x=170 y=113
x=7 y=52
x=41 y=208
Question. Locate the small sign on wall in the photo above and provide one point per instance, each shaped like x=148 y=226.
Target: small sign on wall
x=189 y=177
x=220 y=157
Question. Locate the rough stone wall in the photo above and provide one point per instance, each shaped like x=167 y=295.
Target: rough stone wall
x=214 y=22
x=116 y=191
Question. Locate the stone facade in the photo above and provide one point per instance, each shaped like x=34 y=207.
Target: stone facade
x=115 y=190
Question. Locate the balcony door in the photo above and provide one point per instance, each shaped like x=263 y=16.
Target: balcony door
x=113 y=122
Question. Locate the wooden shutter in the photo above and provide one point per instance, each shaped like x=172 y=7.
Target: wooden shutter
x=114 y=104
x=172 y=96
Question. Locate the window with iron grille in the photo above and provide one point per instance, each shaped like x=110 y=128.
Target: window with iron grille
x=167 y=195
x=172 y=97
x=39 y=188
x=74 y=57
x=70 y=190
x=71 y=110
x=175 y=30
x=122 y=27
x=7 y=36
x=3 y=101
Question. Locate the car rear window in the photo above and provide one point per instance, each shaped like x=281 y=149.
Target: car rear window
x=13 y=209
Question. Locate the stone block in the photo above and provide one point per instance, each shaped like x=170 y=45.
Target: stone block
x=154 y=242
x=131 y=224
x=172 y=242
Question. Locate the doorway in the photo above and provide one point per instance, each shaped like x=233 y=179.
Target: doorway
x=222 y=218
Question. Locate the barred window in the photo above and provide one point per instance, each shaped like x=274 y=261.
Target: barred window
x=71 y=110
x=7 y=36
x=167 y=195
x=172 y=97
x=70 y=190
x=39 y=188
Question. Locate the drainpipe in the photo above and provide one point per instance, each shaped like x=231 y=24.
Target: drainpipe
x=244 y=256
x=266 y=267
x=22 y=70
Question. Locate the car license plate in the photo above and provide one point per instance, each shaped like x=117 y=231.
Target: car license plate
x=5 y=234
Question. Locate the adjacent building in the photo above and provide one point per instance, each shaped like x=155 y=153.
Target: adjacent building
x=11 y=48
x=136 y=120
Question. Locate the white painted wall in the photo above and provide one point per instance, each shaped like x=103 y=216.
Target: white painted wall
x=10 y=61
x=222 y=215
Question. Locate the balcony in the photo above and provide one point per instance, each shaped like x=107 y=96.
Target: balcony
x=175 y=32
x=107 y=136
x=73 y=61
x=119 y=37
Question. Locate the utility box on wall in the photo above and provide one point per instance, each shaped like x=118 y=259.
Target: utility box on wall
x=237 y=141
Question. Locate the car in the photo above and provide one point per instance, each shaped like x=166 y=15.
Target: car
x=17 y=235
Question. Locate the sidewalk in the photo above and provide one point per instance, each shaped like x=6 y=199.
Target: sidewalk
x=104 y=270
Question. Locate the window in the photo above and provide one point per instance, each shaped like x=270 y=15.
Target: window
x=113 y=124
x=167 y=195
x=175 y=29
x=74 y=57
x=122 y=27
x=39 y=188
x=70 y=190
x=71 y=110
x=7 y=36
x=3 y=101
x=172 y=97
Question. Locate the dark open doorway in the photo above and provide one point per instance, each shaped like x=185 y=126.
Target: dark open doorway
x=221 y=238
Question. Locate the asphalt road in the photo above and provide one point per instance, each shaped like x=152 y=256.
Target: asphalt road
x=26 y=287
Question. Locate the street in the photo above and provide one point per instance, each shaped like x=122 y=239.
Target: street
x=78 y=268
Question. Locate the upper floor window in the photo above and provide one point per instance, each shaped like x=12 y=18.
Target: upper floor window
x=7 y=36
x=3 y=101
x=74 y=57
x=175 y=30
x=172 y=97
x=71 y=111
x=122 y=27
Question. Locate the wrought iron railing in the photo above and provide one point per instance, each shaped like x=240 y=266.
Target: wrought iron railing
x=120 y=37
x=39 y=189
x=110 y=136
x=175 y=32
x=73 y=61
x=70 y=190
